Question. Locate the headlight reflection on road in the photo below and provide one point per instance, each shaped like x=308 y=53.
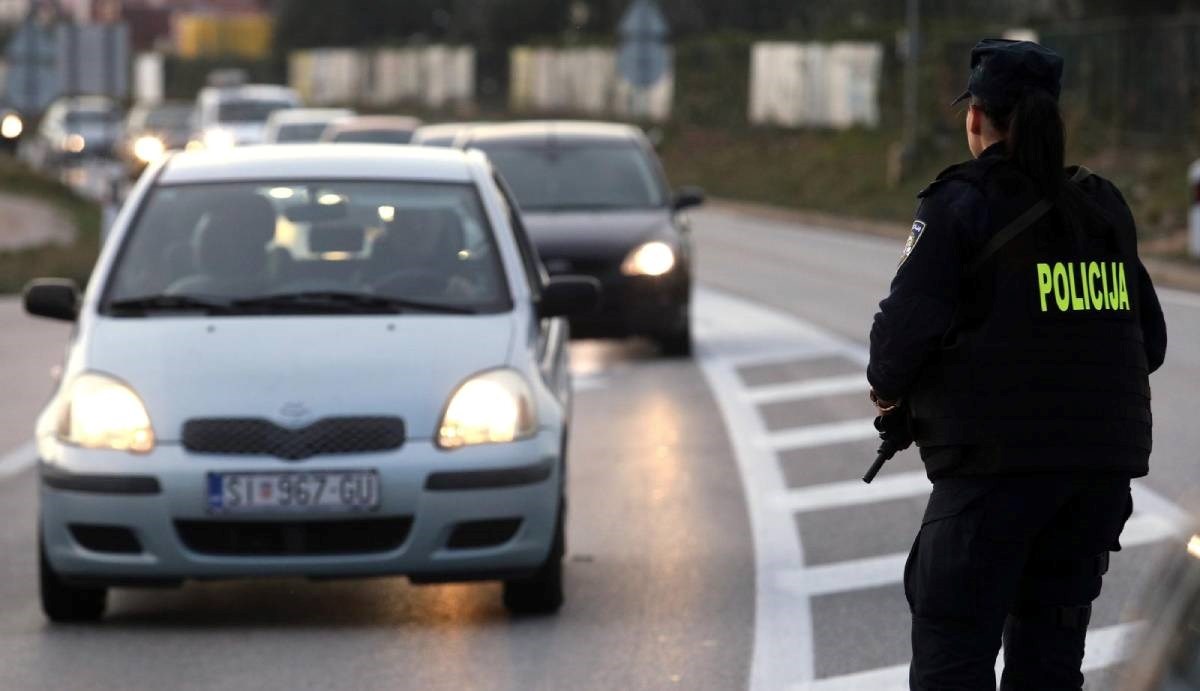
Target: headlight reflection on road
x=660 y=423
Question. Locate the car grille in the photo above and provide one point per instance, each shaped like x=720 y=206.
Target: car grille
x=335 y=435
x=293 y=538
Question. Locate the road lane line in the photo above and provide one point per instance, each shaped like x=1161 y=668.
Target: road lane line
x=1147 y=500
x=887 y=569
x=783 y=645
x=731 y=333
x=820 y=435
x=18 y=459
x=1103 y=648
x=810 y=388
x=853 y=492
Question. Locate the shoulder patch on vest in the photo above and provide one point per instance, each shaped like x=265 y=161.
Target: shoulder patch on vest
x=918 y=229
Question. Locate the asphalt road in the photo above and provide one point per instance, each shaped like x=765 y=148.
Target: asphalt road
x=718 y=538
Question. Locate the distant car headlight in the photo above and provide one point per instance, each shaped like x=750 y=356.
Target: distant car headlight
x=218 y=139
x=492 y=407
x=74 y=143
x=650 y=259
x=99 y=412
x=148 y=148
x=11 y=126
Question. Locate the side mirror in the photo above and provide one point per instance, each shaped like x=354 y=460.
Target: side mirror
x=53 y=298
x=687 y=197
x=566 y=296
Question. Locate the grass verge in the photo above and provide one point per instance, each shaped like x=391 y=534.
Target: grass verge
x=70 y=261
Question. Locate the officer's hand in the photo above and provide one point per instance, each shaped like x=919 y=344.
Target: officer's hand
x=885 y=407
x=893 y=429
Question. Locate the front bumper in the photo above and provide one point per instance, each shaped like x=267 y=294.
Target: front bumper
x=436 y=491
x=637 y=306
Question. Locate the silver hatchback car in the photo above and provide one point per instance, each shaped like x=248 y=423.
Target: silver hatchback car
x=309 y=361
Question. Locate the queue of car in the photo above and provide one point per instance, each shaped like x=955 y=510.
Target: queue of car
x=312 y=348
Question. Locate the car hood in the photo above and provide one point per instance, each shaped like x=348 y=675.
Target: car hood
x=246 y=132
x=295 y=370
x=595 y=235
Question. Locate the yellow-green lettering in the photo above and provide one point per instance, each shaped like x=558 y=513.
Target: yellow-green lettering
x=1124 y=300
x=1076 y=301
x=1094 y=272
x=1114 y=295
x=1062 y=295
x=1045 y=283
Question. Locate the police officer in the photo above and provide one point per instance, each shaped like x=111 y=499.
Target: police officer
x=1015 y=347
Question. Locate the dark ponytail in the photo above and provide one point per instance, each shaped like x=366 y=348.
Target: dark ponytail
x=1037 y=142
x=1035 y=138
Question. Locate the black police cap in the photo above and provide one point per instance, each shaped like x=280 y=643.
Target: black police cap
x=1001 y=70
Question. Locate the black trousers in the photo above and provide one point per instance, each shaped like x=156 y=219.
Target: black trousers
x=1018 y=558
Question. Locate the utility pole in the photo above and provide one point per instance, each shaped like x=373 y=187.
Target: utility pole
x=911 y=85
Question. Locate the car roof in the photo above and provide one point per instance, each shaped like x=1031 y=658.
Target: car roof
x=87 y=103
x=248 y=91
x=321 y=162
x=376 y=122
x=303 y=115
x=532 y=131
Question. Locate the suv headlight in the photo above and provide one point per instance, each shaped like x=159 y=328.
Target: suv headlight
x=99 y=412
x=488 y=408
x=649 y=259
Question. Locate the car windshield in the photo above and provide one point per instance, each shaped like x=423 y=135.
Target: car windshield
x=300 y=132
x=382 y=136
x=91 y=118
x=558 y=178
x=169 y=118
x=287 y=247
x=249 y=111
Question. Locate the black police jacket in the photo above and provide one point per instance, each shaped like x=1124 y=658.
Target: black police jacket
x=1036 y=361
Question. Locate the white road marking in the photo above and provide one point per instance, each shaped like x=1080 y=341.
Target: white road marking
x=821 y=435
x=782 y=650
x=1104 y=647
x=853 y=492
x=887 y=569
x=811 y=388
x=18 y=459
x=733 y=333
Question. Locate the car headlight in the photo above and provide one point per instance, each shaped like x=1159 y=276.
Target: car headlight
x=99 y=412
x=491 y=407
x=148 y=148
x=11 y=126
x=218 y=139
x=74 y=143
x=650 y=259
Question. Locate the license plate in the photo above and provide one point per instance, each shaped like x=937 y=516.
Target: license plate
x=322 y=490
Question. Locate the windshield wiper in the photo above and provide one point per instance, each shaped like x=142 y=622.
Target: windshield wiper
x=327 y=300
x=170 y=303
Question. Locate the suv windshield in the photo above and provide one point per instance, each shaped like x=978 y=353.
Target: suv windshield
x=249 y=111
x=578 y=177
x=304 y=247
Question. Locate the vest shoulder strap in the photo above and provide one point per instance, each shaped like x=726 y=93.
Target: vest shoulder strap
x=1017 y=226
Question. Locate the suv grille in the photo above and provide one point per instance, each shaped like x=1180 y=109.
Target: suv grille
x=334 y=435
x=293 y=538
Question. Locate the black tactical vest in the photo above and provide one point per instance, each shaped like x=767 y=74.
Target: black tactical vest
x=1044 y=366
